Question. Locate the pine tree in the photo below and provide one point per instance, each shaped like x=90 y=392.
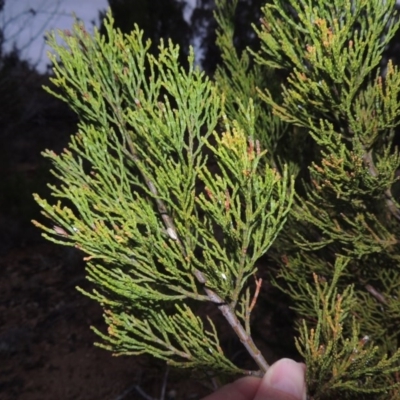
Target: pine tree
x=176 y=185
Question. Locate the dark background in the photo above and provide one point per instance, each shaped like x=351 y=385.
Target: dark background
x=46 y=346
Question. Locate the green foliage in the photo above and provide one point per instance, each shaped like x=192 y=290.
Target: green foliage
x=177 y=186
x=341 y=367
x=131 y=197
x=180 y=339
x=335 y=90
x=239 y=77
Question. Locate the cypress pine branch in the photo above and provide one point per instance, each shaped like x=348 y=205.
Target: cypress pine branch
x=152 y=236
x=175 y=186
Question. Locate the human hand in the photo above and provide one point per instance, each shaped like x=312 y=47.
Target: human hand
x=284 y=380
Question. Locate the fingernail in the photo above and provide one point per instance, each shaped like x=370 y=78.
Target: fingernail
x=288 y=376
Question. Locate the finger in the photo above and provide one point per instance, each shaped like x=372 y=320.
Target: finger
x=242 y=389
x=284 y=380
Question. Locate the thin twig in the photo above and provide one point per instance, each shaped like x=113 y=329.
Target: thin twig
x=249 y=306
x=254 y=301
x=215 y=383
x=130 y=389
x=234 y=322
x=376 y=294
x=164 y=385
x=126 y=392
x=143 y=393
x=247 y=300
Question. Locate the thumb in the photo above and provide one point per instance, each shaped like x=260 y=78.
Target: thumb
x=284 y=380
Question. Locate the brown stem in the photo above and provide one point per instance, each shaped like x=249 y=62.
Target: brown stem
x=376 y=294
x=247 y=312
x=258 y=287
x=233 y=321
